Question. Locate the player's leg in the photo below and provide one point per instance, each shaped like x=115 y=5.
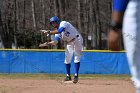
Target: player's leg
x=131 y=34
x=77 y=55
x=68 y=57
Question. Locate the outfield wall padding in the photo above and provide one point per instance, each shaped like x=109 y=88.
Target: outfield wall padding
x=19 y=61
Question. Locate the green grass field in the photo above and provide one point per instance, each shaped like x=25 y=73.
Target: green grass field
x=61 y=76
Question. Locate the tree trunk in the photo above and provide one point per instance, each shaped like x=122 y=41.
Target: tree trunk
x=43 y=14
x=98 y=24
x=56 y=5
x=79 y=15
x=1 y=29
x=15 y=24
x=43 y=18
x=33 y=15
x=7 y=33
x=34 y=22
x=91 y=23
x=85 y=18
x=24 y=21
x=62 y=8
x=95 y=28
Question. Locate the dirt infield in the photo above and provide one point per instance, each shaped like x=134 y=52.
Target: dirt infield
x=57 y=86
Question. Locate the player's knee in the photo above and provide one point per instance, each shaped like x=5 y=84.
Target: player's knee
x=66 y=62
x=76 y=61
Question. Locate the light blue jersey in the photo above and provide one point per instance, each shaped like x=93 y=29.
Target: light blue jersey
x=66 y=31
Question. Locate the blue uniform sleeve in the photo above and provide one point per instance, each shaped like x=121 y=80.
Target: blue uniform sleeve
x=60 y=30
x=57 y=38
x=120 y=5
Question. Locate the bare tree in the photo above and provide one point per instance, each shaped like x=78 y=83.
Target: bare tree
x=33 y=15
x=56 y=5
x=15 y=23
x=21 y=20
x=98 y=25
x=1 y=29
x=79 y=14
x=62 y=8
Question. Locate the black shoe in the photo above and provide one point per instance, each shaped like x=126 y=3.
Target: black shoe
x=68 y=78
x=75 y=80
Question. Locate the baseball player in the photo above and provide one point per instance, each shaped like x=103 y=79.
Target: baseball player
x=128 y=12
x=74 y=40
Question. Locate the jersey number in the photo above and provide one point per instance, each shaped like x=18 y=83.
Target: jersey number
x=67 y=34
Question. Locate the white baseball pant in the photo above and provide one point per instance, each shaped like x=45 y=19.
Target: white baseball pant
x=75 y=48
x=131 y=35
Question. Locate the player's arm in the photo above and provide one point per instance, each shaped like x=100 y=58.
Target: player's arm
x=119 y=7
x=56 y=39
x=48 y=43
x=52 y=43
x=61 y=28
x=57 y=31
x=44 y=44
x=114 y=35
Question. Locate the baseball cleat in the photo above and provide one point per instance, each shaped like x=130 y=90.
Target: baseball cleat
x=68 y=78
x=75 y=80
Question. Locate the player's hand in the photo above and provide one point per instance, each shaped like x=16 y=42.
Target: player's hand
x=46 y=32
x=114 y=38
x=44 y=44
